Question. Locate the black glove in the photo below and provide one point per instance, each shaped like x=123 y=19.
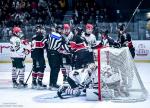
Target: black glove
x=117 y=45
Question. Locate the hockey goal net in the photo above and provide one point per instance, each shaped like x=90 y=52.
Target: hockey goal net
x=118 y=77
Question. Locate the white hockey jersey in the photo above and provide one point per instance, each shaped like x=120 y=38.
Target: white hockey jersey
x=68 y=37
x=84 y=76
x=91 y=39
x=17 y=48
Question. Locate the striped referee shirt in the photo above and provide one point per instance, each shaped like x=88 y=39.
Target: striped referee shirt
x=56 y=41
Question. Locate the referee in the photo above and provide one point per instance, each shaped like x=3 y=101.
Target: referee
x=54 y=43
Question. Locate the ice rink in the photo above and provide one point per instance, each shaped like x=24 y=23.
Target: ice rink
x=29 y=98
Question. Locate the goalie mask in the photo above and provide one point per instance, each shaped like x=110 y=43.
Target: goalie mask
x=106 y=70
x=66 y=29
x=17 y=32
x=89 y=28
x=92 y=67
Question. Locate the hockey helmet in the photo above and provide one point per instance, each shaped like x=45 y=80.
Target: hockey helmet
x=89 y=28
x=78 y=30
x=121 y=27
x=66 y=28
x=40 y=29
x=59 y=28
x=17 y=32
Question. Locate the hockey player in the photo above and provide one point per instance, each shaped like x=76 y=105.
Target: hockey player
x=125 y=40
x=79 y=80
x=68 y=35
x=106 y=40
x=89 y=36
x=18 y=51
x=37 y=55
x=82 y=56
x=67 y=57
x=90 y=39
x=54 y=43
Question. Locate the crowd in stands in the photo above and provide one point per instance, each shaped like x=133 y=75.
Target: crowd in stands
x=25 y=12
x=30 y=12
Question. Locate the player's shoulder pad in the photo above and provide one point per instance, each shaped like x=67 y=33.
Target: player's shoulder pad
x=14 y=38
x=92 y=35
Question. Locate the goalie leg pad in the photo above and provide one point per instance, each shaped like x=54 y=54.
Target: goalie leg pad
x=73 y=92
x=65 y=91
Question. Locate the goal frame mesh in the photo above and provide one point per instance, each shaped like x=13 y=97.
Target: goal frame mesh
x=105 y=56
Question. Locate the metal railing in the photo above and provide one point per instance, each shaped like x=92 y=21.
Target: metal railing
x=137 y=30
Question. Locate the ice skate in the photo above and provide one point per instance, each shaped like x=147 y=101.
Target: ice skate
x=54 y=87
x=15 y=84
x=41 y=86
x=34 y=84
x=21 y=85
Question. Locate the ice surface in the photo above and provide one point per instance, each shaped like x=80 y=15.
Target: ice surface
x=29 y=98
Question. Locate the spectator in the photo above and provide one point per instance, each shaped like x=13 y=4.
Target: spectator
x=5 y=33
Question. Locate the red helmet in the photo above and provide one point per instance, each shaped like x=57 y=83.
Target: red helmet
x=89 y=28
x=17 y=31
x=66 y=28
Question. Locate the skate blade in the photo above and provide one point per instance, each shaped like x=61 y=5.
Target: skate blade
x=15 y=86
x=22 y=86
x=34 y=87
x=41 y=88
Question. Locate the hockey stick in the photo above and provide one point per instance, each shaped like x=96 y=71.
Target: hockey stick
x=133 y=14
x=28 y=76
x=49 y=13
x=65 y=96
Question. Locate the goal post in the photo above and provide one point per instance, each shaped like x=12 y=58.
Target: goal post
x=118 y=77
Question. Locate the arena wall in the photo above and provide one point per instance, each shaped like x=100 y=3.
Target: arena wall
x=142 y=52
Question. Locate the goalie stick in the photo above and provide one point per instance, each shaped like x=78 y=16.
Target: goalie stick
x=64 y=96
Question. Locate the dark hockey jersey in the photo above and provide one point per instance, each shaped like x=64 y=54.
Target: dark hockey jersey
x=78 y=43
x=125 y=40
x=37 y=46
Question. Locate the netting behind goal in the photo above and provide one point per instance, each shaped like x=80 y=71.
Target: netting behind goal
x=118 y=77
